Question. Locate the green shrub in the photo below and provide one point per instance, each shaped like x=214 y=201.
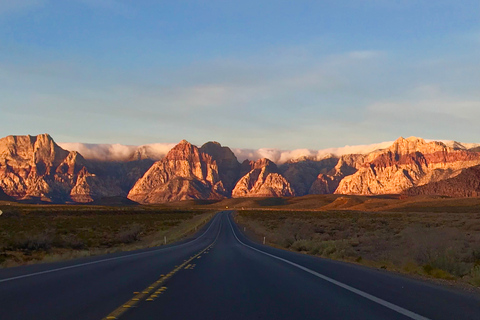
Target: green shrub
x=475 y=276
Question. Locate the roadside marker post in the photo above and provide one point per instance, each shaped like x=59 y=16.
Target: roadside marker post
x=263 y=240
x=165 y=239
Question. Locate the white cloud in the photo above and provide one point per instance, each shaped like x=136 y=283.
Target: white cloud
x=118 y=152
x=156 y=151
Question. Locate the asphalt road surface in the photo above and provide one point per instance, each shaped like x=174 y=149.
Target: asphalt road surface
x=221 y=274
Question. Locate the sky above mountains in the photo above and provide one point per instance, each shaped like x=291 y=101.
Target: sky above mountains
x=251 y=74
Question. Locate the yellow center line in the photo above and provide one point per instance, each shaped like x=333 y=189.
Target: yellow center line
x=147 y=294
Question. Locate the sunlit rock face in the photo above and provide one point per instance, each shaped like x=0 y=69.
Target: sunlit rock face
x=327 y=183
x=406 y=164
x=187 y=172
x=261 y=178
x=36 y=168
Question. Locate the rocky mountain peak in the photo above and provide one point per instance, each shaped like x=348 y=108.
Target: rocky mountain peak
x=228 y=165
x=264 y=163
x=184 y=150
x=218 y=152
x=185 y=173
x=35 y=167
x=410 y=145
x=262 y=180
x=38 y=151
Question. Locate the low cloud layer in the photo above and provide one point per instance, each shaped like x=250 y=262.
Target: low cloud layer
x=281 y=156
x=119 y=152
x=156 y=151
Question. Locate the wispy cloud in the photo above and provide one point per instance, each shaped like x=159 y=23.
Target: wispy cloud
x=157 y=151
x=118 y=152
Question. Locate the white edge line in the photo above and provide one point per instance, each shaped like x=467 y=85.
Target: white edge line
x=104 y=260
x=382 y=302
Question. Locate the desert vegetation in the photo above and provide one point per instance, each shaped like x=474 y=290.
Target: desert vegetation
x=30 y=234
x=442 y=245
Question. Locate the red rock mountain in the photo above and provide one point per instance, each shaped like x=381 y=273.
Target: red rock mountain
x=406 y=164
x=228 y=165
x=327 y=183
x=261 y=179
x=36 y=168
x=465 y=184
x=302 y=174
x=185 y=173
x=4 y=196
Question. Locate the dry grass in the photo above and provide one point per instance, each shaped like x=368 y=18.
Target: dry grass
x=437 y=245
x=31 y=234
x=381 y=203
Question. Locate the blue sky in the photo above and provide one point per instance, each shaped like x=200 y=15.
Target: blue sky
x=250 y=74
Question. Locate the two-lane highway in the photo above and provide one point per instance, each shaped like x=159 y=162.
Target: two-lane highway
x=91 y=288
x=221 y=274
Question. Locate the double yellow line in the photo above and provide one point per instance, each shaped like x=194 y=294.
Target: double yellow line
x=152 y=291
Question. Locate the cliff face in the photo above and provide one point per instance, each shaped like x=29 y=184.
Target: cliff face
x=36 y=168
x=465 y=184
x=407 y=163
x=228 y=165
x=185 y=173
x=302 y=174
x=327 y=183
x=262 y=180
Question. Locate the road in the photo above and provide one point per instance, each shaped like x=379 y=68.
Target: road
x=221 y=274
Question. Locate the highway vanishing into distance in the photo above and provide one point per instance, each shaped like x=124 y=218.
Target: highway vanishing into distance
x=221 y=274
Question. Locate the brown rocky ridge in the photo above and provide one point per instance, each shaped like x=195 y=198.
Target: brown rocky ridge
x=36 y=168
x=262 y=180
x=302 y=174
x=407 y=163
x=465 y=184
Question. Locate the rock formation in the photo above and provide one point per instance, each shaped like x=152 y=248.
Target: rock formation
x=465 y=184
x=407 y=163
x=36 y=168
x=262 y=180
x=228 y=165
x=302 y=174
x=327 y=183
x=185 y=173
x=4 y=196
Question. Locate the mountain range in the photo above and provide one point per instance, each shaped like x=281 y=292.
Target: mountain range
x=36 y=169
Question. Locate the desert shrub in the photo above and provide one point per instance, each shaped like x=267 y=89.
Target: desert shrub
x=287 y=243
x=442 y=249
x=129 y=235
x=448 y=260
x=32 y=242
x=69 y=241
x=475 y=276
x=336 y=249
x=437 y=273
x=301 y=245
